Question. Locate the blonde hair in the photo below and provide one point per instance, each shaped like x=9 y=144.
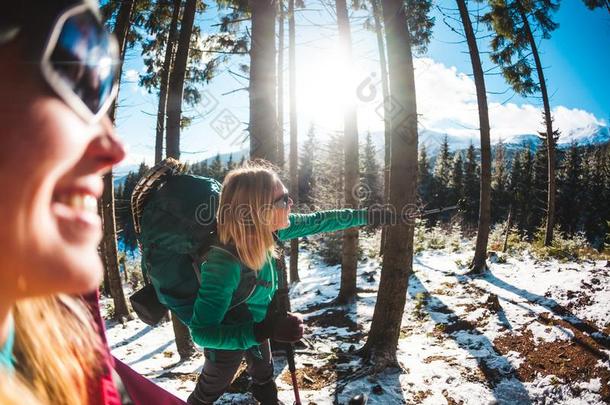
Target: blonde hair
x=15 y=391
x=57 y=349
x=245 y=213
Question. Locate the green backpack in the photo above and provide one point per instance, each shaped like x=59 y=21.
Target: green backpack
x=175 y=219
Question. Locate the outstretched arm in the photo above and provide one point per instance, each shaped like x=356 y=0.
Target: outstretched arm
x=322 y=221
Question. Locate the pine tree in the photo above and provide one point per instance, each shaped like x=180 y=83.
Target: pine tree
x=478 y=263
x=514 y=23
x=593 y=4
x=596 y=204
x=457 y=180
x=570 y=191
x=517 y=175
x=294 y=144
x=382 y=341
x=201 y=169
x=175 y=89
x=370 y=170
x=328 y=194
x=263 y=80
x=216 y=170
x=539 y=188
x=306 y=173
x=329 y=172
x=122 y=26
x=471 y=187
x=529 y=192
x=349 y=262
x=230 y=165
x=424 y=178
x=441 y=196
x=500 y=184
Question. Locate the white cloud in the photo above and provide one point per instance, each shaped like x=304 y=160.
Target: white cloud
x=132 y=75
x=446 y=100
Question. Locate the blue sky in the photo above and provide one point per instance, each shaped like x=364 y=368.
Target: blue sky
x=576 y=58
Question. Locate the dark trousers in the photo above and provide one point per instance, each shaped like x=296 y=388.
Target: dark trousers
x=220 y=367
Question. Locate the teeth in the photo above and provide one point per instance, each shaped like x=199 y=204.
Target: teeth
x=90 y=203
x=80 y=202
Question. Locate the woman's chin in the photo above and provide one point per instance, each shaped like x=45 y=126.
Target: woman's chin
x=82 y=276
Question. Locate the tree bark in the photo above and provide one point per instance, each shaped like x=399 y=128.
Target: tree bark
x=121 y=310
x=397 y=266
x=280 y=87
x=176 y=81
x=479 y=264
x=349 y=260
x=294 y=147
x=550 y=134
x=109 y=242
x=165 y=72
x=509 y=224
x=386 y=114
x=184 y=345
x=174 y=112
x=263 y=110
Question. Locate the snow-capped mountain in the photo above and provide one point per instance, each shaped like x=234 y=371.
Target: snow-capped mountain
x=432 y=140
x=589 y=135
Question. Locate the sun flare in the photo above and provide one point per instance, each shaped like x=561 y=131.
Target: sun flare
x=324 y=88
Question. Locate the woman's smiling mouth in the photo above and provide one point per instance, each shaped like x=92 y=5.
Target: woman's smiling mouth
x=76 y=210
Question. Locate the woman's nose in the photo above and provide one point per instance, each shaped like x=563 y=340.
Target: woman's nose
x=106 y=149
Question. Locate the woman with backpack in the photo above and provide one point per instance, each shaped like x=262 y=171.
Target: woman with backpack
x=58 y=74
x=232 y=316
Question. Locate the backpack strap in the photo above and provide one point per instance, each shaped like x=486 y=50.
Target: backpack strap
x=230 y=249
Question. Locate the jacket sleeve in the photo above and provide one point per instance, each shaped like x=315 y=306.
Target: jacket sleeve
x=322 y=221
x=219 y=279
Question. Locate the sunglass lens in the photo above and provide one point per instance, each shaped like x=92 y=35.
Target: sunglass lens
x=284 y=201
x=84 y=57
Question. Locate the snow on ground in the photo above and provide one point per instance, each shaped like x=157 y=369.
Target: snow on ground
x=527 y=332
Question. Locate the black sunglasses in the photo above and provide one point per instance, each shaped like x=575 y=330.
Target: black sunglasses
x=80 y=62
x=282 y=202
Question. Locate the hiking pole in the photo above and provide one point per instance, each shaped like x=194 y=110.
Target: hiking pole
x=293 y=372
x=283 y=308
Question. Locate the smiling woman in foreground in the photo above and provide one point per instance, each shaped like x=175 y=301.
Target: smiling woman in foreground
x=57 y=80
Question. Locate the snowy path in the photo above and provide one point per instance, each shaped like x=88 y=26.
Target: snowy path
x=526 y=332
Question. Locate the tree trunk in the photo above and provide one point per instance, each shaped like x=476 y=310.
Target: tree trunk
x=184 y=345
x=263 y=110
x=397 y=266
x=176 y=81
x=165 y=72
x=509 y=224
x=280 y=88
x=102 y=251
x=386 y=114
x=550 y=135
x=125 y=273
x=174 y=112
x=111 y=261
x=479 y=264
x=109 y=244
x=349 y=260
x=106 y=282
x=294 y=147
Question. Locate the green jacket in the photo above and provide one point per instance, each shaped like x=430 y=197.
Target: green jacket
x=232 y=298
